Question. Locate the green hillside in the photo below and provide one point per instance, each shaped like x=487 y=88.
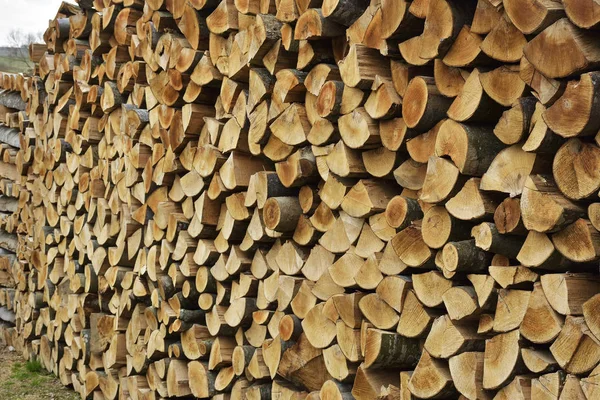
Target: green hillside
x=10 y=64
x=12 y=59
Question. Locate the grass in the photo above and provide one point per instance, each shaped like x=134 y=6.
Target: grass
x=10 y=64
x=34 y=366
x=30 y=373
x=29 y=381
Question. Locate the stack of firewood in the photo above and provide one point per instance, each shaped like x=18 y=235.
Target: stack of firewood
x=12 y=120
x=326 y=199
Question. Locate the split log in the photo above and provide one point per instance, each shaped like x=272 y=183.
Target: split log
x=562 y=37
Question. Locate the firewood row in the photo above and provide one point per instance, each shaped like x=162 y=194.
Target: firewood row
x=325 y=199
x=12 y=119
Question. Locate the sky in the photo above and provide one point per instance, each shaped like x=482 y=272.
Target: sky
x=28 y=15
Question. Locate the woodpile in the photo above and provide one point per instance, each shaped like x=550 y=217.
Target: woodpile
x=13 y=119
x=286 y=199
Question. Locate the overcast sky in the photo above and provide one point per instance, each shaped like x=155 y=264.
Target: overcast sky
x=28 y=15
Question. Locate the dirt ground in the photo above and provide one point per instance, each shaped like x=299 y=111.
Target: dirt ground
x=20 y=380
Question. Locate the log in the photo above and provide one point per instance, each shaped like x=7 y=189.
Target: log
x=9 y=136
x=448 y=338
x=502 y=359
x=467 y=373
x=564 y=37
x=12 y=99
x=431 y=379
x=552 y=211
x=344 y=12
x=559 y=290
x=515 y=123
x=566 y=347
x=281 y=213
x=463 y=256
x=582 y=95
x=536 y=17
x=423 y=106
x=504 y=42
x=579 y=13
x=389 y=350
x=473 y=103
x=8 y=241
x=444 y=21
x=471 y=148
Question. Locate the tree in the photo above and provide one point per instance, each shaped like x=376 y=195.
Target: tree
x=20 y=41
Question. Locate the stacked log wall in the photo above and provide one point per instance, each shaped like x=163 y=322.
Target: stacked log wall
x=332 y=199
